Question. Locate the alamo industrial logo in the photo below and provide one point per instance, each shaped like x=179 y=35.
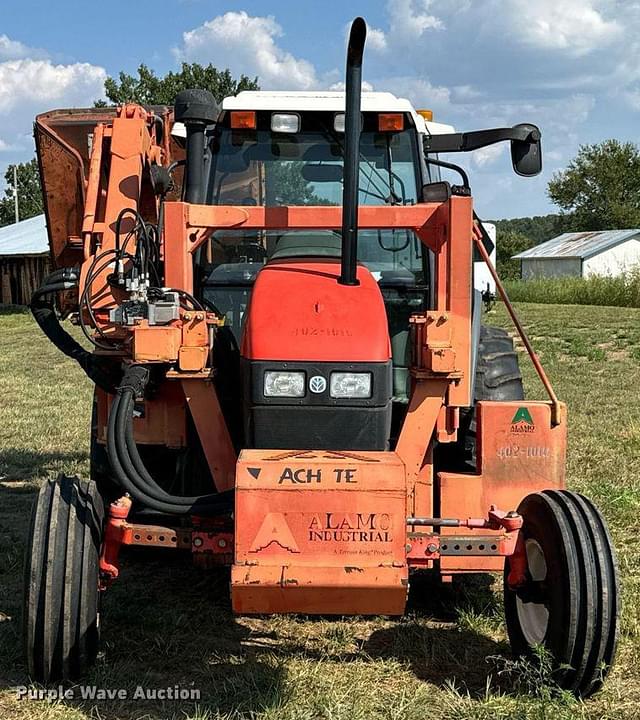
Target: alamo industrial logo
x=104 y=694
x=522 y=421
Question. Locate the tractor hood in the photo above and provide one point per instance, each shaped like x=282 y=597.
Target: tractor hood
x=299 y=311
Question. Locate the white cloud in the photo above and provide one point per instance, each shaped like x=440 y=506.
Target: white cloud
x=412 y=18
x=376 y=39
x=247 y=45
x=38 y=83
x=12 y=49
x=465 y=93
x=577 y=26
x=15 y=50
x=632 y=97
x=488 y=155
x=30 y=83
x=340 y=86
x=418 y=90
x=557 y=63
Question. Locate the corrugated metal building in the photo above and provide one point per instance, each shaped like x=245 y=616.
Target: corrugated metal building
x=608 y=252
x=24 y=259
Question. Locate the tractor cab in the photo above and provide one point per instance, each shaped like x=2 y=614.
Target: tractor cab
x=277 y=149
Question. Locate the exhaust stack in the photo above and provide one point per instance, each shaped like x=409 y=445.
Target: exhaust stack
x=196 y=109
x=352 y=127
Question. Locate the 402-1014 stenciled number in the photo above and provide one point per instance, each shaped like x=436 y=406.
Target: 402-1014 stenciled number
x=528 y=452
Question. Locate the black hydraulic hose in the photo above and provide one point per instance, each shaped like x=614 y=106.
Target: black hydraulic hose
x=141 y=485
x=121 y=475
x=61 y=275
x=44 y=313
x=135 y=465
x=152 y=491
x=147 y=494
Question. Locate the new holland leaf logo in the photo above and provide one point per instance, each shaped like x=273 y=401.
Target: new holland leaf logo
x=522 y=421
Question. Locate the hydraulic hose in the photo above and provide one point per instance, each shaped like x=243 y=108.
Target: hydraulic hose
x=121 y=475
x=135 y=468
x=143 y=477
x=99 y=370
x=129 y=468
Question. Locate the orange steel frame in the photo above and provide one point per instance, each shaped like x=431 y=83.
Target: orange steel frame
x=510 y=465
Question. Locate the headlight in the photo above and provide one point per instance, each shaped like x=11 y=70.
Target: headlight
x=285 y=122
x=281 y=383
x=338 y=122
x=350 y=385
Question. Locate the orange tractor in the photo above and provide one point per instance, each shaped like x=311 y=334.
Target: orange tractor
x=291 y=374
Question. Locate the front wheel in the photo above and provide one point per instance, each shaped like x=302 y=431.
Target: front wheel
x=569 y=603
x=60 y=611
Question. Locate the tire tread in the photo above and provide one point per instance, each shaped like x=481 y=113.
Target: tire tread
x=586 y=628
x=61 y=580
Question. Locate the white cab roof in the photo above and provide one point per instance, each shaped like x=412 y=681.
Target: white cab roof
x=331 y=101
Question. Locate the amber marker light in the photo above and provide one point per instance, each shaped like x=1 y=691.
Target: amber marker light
x=390 y=122
x=243 y=120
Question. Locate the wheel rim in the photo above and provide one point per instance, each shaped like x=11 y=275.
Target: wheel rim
x=534 y=616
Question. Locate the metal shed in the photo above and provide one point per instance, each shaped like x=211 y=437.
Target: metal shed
x=24 y=259
x=608 y=252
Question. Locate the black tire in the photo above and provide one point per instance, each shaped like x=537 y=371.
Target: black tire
x=498 y=375
x=570 y=603
x=61 y=596
x=497 y=378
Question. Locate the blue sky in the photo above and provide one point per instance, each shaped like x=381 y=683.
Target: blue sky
x=571 y=66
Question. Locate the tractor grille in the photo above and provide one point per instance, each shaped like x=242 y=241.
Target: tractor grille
x=317 y=420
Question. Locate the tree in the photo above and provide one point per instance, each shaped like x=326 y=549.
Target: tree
x=538 y=228
x=600 y=189
x=288 y=187
x=149 y=89
x=29 y=193
x=509 y=243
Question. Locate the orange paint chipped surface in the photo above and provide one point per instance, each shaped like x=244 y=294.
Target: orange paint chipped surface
x=520 y=452
x=315 y=529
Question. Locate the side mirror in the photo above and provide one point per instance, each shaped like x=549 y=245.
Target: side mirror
x=526 y=155
x=526 y=149
x=436 y=192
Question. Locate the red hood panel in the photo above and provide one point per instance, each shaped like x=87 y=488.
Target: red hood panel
x=300 y=312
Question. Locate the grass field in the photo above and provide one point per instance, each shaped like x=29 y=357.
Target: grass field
x=165 y=623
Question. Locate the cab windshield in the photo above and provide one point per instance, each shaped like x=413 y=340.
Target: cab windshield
x=261 y=167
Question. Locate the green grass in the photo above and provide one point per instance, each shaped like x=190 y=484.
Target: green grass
x=619 y=291
x=165 y=622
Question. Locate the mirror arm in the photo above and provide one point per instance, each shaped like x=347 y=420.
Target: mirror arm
x=465 y=142
x=450 y=166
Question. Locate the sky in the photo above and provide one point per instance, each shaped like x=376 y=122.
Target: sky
x=570 y=66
